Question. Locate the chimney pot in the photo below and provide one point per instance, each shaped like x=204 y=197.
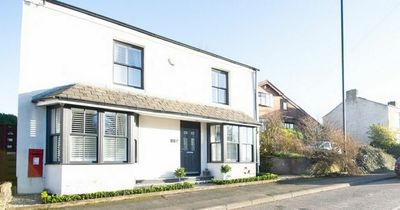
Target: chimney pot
x=393 y=103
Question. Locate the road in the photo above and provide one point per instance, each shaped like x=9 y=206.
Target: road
x=377 y=195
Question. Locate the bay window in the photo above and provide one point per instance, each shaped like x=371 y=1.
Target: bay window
x=55 y=135
x=215 y=143
x=115 y=146
x=83 y=137
x=236 y=144
x=246 y=144
x=231 y=137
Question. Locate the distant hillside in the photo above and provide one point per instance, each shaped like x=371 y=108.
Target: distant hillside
x=8 y=119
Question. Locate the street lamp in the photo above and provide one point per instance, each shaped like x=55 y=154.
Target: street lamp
x=343 y=87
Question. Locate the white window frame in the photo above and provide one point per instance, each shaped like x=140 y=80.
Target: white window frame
x=130 y=68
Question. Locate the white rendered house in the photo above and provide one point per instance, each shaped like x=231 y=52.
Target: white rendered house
x=362 y=113
x=103 y=104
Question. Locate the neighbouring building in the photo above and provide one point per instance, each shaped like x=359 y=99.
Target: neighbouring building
x=271 y=100
x=361 y=113
x=103 y=104
x=8 y=139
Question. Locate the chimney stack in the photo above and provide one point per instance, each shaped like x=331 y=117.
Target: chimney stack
x=393 y=103
x=351 y=95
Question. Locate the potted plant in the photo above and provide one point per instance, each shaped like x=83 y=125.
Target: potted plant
x=206 y=172
x=179 y=173
x=224 y=170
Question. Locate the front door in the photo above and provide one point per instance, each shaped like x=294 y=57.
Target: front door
x=190 y=147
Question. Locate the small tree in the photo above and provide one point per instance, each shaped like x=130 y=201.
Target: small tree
x=8 y=119
x=381 y=137
x=180 y=173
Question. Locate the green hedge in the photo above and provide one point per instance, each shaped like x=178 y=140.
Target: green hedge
x=266 y=176
x=53 y=198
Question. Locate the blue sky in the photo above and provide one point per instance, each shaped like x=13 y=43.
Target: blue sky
x=296 y=44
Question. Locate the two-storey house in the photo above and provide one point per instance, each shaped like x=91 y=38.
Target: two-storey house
x=103 y=104
x=361 y=113
x=271 y=100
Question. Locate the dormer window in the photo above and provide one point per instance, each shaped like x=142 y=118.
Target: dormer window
x=128 y=65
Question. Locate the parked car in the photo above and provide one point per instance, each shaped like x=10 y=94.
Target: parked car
x=324 y=145
x=397 y=167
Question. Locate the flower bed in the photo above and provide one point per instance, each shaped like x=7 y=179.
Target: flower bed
x=263 y=177
x=54 y=198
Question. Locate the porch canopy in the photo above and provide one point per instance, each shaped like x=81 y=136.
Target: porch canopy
x=101 y=97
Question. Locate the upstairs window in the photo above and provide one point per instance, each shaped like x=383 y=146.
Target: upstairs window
x=128 y=65
x=265 y=99
x=220 y=87
x=83 y=138
x=285 y=105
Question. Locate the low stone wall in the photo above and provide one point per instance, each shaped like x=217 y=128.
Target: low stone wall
x=285 y=166
x=5 y=194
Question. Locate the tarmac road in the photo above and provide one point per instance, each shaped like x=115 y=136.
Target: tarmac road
x=382 y=195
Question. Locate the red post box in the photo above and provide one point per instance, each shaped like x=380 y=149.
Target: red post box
x=35 y=164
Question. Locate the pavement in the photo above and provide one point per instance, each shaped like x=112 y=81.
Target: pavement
x=222 y=197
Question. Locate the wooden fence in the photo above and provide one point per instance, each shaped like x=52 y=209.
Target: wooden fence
x=7 y=167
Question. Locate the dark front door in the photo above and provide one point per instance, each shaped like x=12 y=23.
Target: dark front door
x=190 y=147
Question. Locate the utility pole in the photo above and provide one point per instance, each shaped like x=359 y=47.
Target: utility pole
x=343 y=81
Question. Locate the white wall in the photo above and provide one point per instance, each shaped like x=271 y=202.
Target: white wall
x=158 y=157
x=239 y=170
x=52 y=178
x=394 y=120
x=31 y=135
x=92 y=178
x=60 y=46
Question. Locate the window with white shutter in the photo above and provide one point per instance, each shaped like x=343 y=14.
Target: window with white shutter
x=115 y=143
x=83 y=137
x=55 y=135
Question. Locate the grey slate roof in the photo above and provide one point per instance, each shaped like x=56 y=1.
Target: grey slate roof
x=135 y=101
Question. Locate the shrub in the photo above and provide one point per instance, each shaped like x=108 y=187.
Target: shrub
x=325 y=162
x=370 y=159
x=275 y=138
x=394 y=150
x=381 y=137
x=225 y=169
x=288 y=155
x=265 y=176
x=54 y=198
x=179 y=173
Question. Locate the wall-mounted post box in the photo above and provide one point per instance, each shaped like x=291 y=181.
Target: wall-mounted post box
x=35 y=164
